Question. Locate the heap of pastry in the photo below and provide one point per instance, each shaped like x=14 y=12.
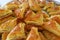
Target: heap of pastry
x=30 y=20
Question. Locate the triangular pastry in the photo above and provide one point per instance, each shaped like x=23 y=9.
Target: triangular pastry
x=55 y=17
x=21 y=11
x=34 y=18
x=17 y=32
x=50 y=36
x=34 y=5
x=5 y=13
x=8 y=25
x=33 y=35
x=42 y=36
x=52 y=26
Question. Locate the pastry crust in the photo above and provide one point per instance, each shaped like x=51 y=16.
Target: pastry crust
x=42 y=36
x=35 y=18
x=53 y=9
x=55 y=13
x=52 y=26
x=49 y=5
x=55 y=17
x=8 y=25
x=34 y=5
x=50 y=36
x=22 y=9
x=29 y=20
x=29 y=26
x=4 y=35
x=5 y=19
x=17 y=32
x=12 y=5
x=5 y=13
x=33 y=35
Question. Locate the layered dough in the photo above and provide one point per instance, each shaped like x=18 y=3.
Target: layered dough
x=34 y=18
x=30 y=20
x=50 y=36
x=17 y=33
x=8 y=25
x=33 y=35
x=52 y=26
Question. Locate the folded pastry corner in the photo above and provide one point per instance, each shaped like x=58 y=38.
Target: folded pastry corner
x=33 y=35
x=53 y=9
x=12 y=5
x=5 y=13
x=55 y=17
x=50 y=36
x=8 y=25
x=34 y=5
x=4 y=35
x=52 y=26
x=34 y=18
x=45 y=15
x=17 y=32
x=55 y=13
x=49 y=5
x=21 y=11
x=42 y=36
x=42 y=3
x=2 y=20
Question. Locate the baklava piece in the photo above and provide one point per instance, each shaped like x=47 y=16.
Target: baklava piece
x=5 y=13
x=34 y=34
x=55 y=17
x=17 y=33
x=49 y=5
x=50 y=36
x=42 y=36
x=12 y=5
x=21 y=11
x=8 y=25
x=52 y=26
x=34 y=18
x=53 y=9
x=34 y=5
x=55 y=13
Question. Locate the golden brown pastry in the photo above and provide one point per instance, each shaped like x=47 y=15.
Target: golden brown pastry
x=12 y=5
x=29 y=26
x=30 y=20
x=45 y=15
x=55 y=13
x=5 y=19
x=55 y=17
x=42 y=3
x=8 y=25
x=4 y=35
x=21 y=11
x=53 y=9
x=34 y=18
x=42 y=36
x=50 y=36
x=52 y=26
x=17 y=33
x=49 y=5
x=34 y=5
x=5 y=13
x=33 y=35
x=21 y=1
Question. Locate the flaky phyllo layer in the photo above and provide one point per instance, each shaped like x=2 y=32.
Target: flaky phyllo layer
x=30 y=20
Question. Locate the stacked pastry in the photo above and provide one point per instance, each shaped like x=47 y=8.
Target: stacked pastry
x=30 y=20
